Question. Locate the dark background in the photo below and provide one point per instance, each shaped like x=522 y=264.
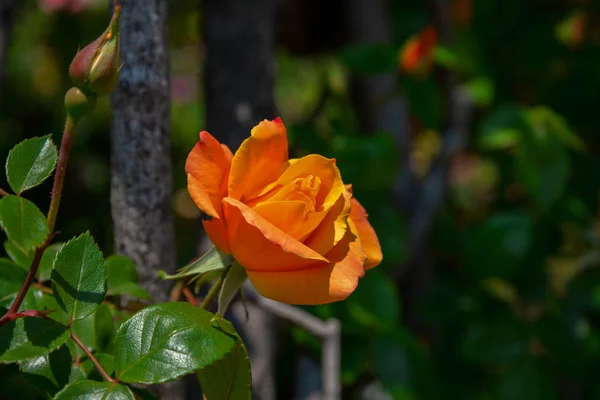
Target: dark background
x=490 y=287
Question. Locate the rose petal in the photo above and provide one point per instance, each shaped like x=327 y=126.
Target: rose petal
x=333 y=227
x=259 y=160
x=208 y=167
x=259 y=245
x=317 y=285
x=331 y=185
x=368 y=237
x=217 y=233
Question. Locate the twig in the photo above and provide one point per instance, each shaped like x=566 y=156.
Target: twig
x=61 y=168
x=92 y=358
x=28 y=281
x=213 y=292
x=3 y=192
x=189 y=296
x=329 y=331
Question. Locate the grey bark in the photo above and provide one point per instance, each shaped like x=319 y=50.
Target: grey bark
x=141 y=151
x=239 y=77
x=239 y=67
x=7 y=15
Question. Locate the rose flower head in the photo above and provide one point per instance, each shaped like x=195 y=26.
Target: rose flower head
x=416 y=56
x=292 y=224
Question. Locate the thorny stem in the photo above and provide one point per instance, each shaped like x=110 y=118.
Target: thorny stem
x=92 y=358
x=61 y=168
x=212 y=293
x=59 y=178
x=189 y=296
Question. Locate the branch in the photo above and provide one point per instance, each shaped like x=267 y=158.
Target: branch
x=329 y=331
x=93 y=359
x=3 y=192
x=213 y=292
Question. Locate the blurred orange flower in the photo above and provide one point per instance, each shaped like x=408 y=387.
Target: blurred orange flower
x=416 y=56
x=291 y=223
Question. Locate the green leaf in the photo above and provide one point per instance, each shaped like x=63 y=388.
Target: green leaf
x=48 y=373
x=528 y=379
x=24 y=260
x=497 y=247
x=212 y=260
x=44 y=272
x=92 y=390
x=375 y=302
x=11 y=280
x=15 y=384
x=30 y=162
x=503 y=128
x=557 y=125
x=234 y=279
x=104 y=329
x=30 y=337
x=542 y=163
x=481 y=90
x=165 y=341
x=498 y=340
x=380 y=156
x=391 y=363
x=23 y=222
x=77 y=373
x=228 y=378
x=123 y=277
x=426 y=101
x=79 y=278
x=84 y=329
x=370 y=58
x=107 y=362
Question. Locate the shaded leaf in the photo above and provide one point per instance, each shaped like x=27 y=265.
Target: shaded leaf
x=23 y=222
x=497 y=247
x=30 y=162
x=528 y=379
x=48 y=373
x=79 y=278
x=165 y=341
x=234 y=279
x=104 y=329
x=370 y=58
x=212 y=260
x=375 y=302
x=11 y=280
x=92 y=390
x=501 y=339
x=122 y=278
x=503 y=128
x=107 y=362
x=30 y=337
x=24 y=260
x=228 y=378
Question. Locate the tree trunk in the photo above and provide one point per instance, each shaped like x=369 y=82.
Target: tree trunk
x=238 y=79
x=141 y=151
x=239 y=67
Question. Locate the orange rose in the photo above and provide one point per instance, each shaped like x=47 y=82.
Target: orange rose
x=416 y=56
x=292 y=224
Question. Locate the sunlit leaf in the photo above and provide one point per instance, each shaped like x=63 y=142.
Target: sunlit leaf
x=30 y=162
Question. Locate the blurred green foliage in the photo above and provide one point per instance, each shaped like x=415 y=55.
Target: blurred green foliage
x=514 y=307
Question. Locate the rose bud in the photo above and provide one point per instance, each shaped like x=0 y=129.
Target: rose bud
x=96 y=67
